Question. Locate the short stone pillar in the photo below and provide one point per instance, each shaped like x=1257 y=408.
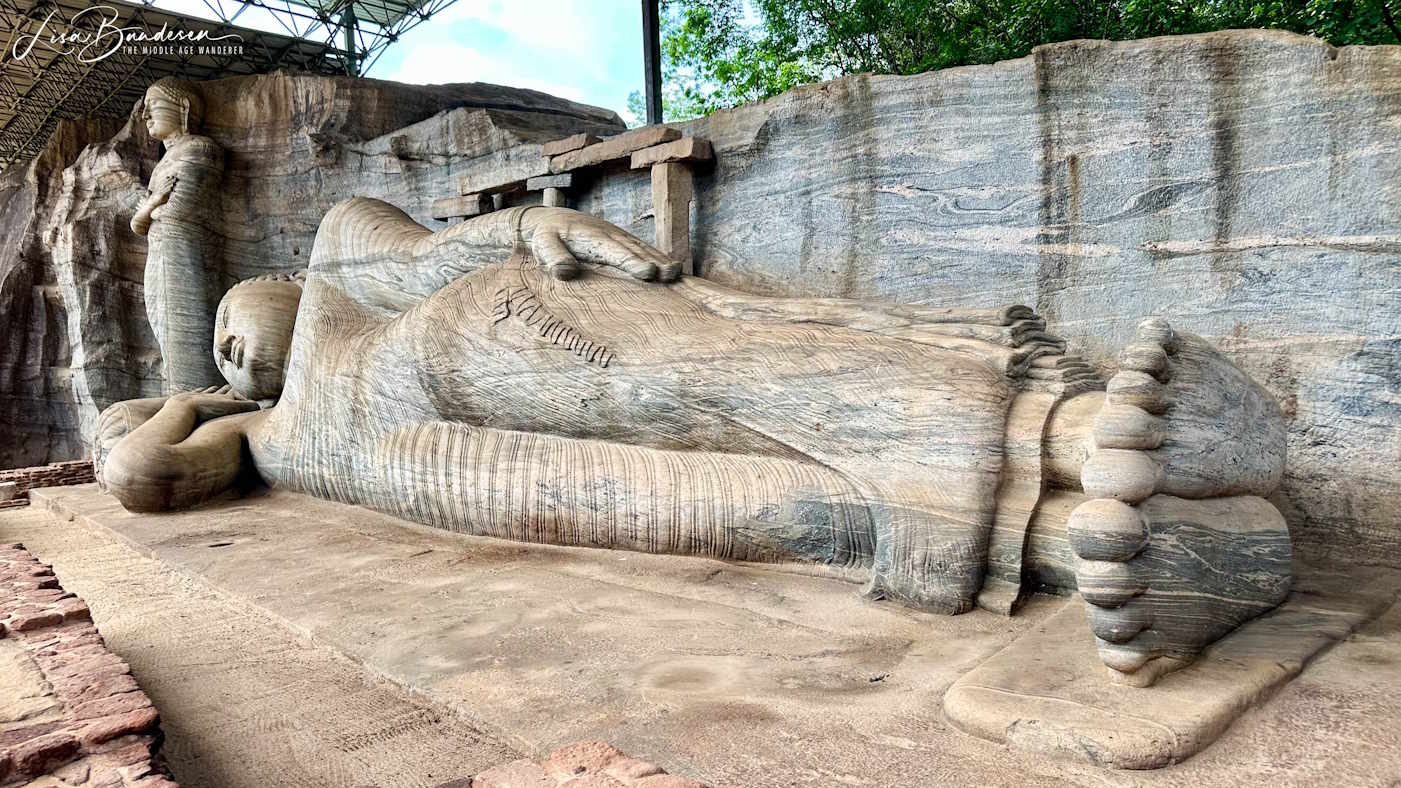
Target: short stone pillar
x=672 y=189
x=671 y=208
x=554 y=189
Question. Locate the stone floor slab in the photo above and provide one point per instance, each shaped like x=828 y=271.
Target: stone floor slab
x=734 y=675
x=1048 y=691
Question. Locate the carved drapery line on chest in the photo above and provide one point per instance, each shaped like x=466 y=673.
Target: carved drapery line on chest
x=523 y=304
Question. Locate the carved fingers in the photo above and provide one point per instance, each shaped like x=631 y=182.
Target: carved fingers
x=554 y=254
x=214 y=404
x=561 y=238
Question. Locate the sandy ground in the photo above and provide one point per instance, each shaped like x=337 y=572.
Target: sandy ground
x=289 y=641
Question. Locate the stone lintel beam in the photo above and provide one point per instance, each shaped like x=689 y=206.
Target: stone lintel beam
x=461 y=207
x=686 y=149
x=565 y=181
x=479 y=185
x=671 y=209
x=618 y=147
x=504 y=173
x=573 y=142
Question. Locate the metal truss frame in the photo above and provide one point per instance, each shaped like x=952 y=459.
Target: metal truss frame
x=44 y=87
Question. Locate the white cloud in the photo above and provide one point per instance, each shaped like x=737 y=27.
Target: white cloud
x=439 y=64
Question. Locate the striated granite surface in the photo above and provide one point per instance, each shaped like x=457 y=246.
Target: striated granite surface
x=73 y=331
x=1242 y=184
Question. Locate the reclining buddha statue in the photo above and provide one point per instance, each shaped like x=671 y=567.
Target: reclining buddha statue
x=538 y=374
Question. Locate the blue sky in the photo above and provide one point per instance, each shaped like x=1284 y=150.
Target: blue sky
x=584 y=50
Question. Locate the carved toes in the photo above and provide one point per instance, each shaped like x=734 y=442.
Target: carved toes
x=1107 y=530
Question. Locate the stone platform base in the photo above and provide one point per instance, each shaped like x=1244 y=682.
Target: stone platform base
x=585 y=764
x=731 y=675
x=1049 y=693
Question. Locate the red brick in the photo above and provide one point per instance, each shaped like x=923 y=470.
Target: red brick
x=75 y=610
x=9 y=739
x=113 y=704
x=79 y=688
x=108 y=728
x=25 y=623
x=38 y=755
x=125 y=752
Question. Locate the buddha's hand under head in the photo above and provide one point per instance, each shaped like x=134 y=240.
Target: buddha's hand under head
x=560 y=238
x=214 y=403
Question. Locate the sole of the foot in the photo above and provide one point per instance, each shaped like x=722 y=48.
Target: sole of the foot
x=1177 y=546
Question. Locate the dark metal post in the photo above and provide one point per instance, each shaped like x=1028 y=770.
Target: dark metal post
x=652 y=59
x=348 y=22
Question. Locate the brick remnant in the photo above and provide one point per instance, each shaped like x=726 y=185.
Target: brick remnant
x=58 y=474
x=81 y=720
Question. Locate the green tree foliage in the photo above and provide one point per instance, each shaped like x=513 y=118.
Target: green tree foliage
x=720 y=53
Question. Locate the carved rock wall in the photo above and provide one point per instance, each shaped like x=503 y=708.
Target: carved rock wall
x=71 y=316
x=73 y=331
x=1242 y=184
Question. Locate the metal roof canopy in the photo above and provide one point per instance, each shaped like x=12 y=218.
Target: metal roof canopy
x=318 y=36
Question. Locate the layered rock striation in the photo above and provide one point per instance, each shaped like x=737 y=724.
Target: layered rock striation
x=75 y=336
x=1241 y=184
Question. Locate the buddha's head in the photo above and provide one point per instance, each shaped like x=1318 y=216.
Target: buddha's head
x=253 y=333
x=171 y=107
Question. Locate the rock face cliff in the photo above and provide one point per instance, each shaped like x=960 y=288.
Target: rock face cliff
x=1243 y=185
x=75 y=336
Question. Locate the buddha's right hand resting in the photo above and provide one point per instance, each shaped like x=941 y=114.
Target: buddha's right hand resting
x=187 y=453
x=559 y=238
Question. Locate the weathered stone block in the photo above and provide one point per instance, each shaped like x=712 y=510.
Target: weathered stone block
x=572 y=142
x=564 y=181
x=613 y=148
x=459 y=207
x=686 y=149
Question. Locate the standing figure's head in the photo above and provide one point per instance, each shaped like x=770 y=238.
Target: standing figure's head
x=253 y=333
x=172 y=107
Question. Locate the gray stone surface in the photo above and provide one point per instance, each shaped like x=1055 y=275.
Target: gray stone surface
x=734 y=675
x=1242 y=184
x=1046 y=693
x=73 y=332
x=72 y=321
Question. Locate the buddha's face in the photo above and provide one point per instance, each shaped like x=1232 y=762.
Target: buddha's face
x=164 y=118
x=253 y=336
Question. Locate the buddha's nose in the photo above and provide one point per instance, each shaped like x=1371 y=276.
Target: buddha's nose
x=231 y=349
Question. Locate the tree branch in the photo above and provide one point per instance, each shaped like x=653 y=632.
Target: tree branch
x=1390 y=21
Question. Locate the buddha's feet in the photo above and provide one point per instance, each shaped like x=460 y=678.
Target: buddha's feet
x=1177 y=546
